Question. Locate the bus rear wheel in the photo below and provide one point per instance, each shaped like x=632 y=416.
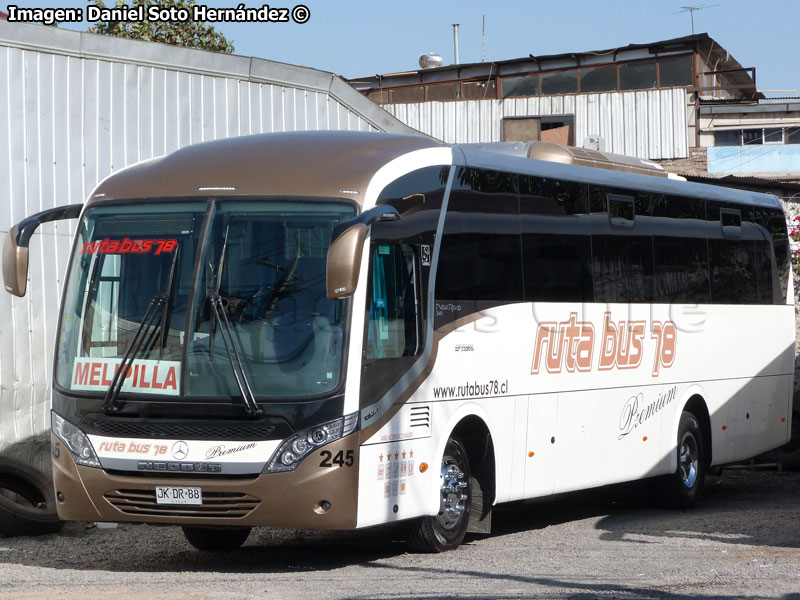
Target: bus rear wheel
x=212 y=539
x=683 y=488
x=446 y=530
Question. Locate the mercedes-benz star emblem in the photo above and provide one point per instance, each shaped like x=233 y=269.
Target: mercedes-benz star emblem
x=180 y=450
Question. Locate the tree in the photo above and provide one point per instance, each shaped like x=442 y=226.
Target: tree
x=189 y=34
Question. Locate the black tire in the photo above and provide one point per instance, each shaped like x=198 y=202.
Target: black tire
x=446 y=530
x=27 y=501
x=684 y=487
x=211 y=539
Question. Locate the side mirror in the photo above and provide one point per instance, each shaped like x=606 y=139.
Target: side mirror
x=347 y=246
x=344 y=262
x=15 y=247
x=15 y=264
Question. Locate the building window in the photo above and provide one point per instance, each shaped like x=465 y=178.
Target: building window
x=378 y=96
x=408 y=94
x=444 y=91
x=560 y=82
x=558 y=129
x=726 y=138
x=773 y=135
x=599 y=79
x=478 y=90
x=637 y=76
x=757 y=137
x=675 y=71
x=751 y=137
x=526 y=85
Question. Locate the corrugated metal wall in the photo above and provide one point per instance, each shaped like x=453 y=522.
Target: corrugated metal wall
x=649 y=124
x=75 y=108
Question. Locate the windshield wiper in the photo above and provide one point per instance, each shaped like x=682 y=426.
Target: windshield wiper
x=220 y=317
x=112 y=402
x=143 y=339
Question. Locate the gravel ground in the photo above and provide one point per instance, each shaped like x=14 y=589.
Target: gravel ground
x=742 y=542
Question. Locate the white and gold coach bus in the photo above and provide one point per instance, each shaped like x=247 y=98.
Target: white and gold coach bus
x=335 y=330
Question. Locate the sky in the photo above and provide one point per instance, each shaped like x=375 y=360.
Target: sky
x=356 y=38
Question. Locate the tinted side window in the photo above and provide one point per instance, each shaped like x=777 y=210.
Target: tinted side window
x=623 y=268
x=733 y=272
x=622 y=255
x=768 y=286
x=773 y=221
x=681 y=270
x=556 y=245
x=732 y=262
x=680 y=249
x=415 y=191
x=480 y=257
x=417 y=196
x=678 y=207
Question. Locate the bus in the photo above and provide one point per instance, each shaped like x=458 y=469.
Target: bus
x=338 y=330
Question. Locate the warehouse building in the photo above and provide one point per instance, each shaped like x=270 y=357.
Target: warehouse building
x=686 y=102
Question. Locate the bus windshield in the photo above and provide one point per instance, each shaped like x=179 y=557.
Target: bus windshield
x=136 y=287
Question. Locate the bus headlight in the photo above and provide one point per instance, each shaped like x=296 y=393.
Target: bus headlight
x=296 y=447
x=74 y=439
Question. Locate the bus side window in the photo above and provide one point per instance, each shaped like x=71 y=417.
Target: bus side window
x=774 y=223
x=391 y=303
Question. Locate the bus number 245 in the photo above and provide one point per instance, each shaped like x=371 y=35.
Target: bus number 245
x=341 y=459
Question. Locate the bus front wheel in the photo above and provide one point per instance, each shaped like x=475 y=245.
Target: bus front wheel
x=213 y=539
x=683 y=488
x=446 y=530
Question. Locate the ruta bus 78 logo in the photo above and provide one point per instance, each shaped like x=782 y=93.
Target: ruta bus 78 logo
x=570 y=345
x=129 y=246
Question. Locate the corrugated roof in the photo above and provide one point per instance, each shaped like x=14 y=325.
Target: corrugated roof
x=745 y=180
x=702 y=40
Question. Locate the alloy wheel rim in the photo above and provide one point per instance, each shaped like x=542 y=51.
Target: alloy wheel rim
x=454 y=495
x=688 y=460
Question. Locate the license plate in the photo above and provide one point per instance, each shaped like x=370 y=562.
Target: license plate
x=178 y=495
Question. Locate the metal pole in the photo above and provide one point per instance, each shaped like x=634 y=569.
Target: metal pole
x=455 y=42
x=483 y=40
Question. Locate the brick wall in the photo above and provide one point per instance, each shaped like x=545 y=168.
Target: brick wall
x=696 y=164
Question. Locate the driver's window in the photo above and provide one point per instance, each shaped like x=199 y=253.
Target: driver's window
x=392 y=303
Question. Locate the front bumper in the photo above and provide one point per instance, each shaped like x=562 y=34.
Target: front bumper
x=295 y=500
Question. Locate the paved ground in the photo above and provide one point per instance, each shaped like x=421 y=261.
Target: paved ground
x=743 y=542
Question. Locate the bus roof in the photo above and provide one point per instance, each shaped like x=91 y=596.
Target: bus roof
x=306 y=163
x=324 y=163
x=513 y=157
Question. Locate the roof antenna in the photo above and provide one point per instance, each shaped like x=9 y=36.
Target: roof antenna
x=692 y=9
